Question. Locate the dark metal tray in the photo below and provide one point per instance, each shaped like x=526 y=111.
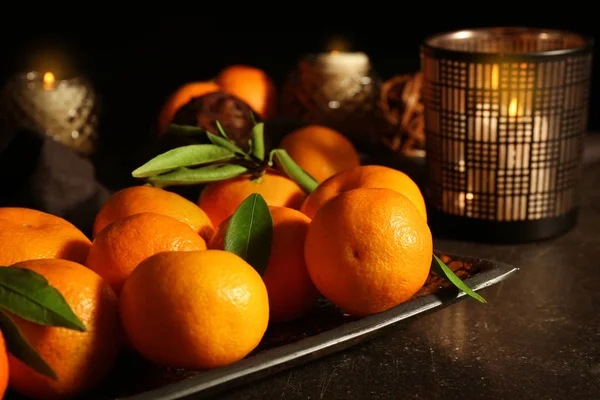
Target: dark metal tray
x=323 y=331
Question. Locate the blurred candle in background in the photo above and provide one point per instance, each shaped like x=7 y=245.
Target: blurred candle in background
x=64 y=109
x=337 y=88
x=339 y=64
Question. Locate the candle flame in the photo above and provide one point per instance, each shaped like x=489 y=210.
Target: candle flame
x=335 y=52
x=49 y=78
x=512 y=108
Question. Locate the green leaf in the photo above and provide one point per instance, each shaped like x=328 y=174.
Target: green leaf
x=184 y=130
x=250 y=232
x=226 y=144
x=21 y=349
x=293 y=170
x=253 y=118
x=184 y=156
x=30 y=296
x=189 y=176
x=221 y=130
x=258 y=141
x=445 y=272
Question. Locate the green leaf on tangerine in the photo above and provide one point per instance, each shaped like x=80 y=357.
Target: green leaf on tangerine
x=253 y=118
x=293 y=170
x=250 y=232
x=189 y=176
x=184 y=130
x=442 y=270
x=258 y=141
x=221 y=130
x=30 y=296
x=224 y=143
x=185 y=156
x=18 y=346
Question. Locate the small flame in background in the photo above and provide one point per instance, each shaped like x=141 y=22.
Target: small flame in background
x=49 y=80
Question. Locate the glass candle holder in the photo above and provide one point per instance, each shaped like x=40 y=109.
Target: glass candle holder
x=65 y=110
x=336 y=89
x=506 y=110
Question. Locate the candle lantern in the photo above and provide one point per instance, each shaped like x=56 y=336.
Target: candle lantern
x=505 y=115
x=337 y=89
x=65 y=110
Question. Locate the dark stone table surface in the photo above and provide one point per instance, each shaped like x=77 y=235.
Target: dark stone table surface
x=538 y=338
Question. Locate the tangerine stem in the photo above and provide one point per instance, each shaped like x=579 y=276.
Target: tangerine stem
x=293 y=170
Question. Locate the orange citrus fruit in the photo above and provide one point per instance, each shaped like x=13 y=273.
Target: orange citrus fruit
x=320 y=151
x=220 y=199
x=3 y=366
x=27 y=234
x=291 y=292
x=79 y=359
x=139 y=199
x=252 y=85
x=365 y=176
x=122 y=245
x=368 y=250
x=196 y=309
x=181 y=97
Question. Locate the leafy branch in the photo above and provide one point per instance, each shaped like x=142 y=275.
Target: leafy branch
x=218 y=160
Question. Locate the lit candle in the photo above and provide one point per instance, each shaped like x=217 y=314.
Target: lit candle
x=334 y=88
x=64 y=109
x=515 y=156
x=343 y=75
x=499 y=146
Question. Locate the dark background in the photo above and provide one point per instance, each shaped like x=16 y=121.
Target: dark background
x=135 y=64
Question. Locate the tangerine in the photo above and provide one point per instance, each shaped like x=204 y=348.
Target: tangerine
x=27 y=234
x=121 y=246
x=364 y=176
x=252 y=85
x=79 y=359
x=220 y=199
x=368 y=259
x=291 y=292
x=320 y=151
x=195 y=309
x=3 y=366
x=180 y=97
x=139 y=199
